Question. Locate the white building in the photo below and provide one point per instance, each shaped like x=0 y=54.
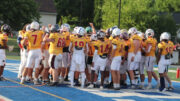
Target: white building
x=47 y=12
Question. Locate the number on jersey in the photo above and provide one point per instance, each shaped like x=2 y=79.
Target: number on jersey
x=35 y=39
x=104 y=49
x=79 y=43
x=168 y=49
x=61 y=42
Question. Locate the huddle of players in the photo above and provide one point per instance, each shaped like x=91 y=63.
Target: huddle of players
x=88 y=52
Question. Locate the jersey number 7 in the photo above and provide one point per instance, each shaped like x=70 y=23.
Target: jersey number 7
x=35 y=38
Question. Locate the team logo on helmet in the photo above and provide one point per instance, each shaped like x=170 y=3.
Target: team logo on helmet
x=80 y=31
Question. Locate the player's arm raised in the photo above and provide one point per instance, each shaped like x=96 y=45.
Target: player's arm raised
x=93 y=28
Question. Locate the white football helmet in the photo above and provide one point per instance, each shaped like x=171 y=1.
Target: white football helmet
x=35 y=25
x=110 y=30
x=75 y=30
x=164 y=35
x=93 y=37
x=28 y=27
x=141 y=34
x=81 y=31
x=132 y=31
x=116 y=32
x=65 y=27
x=100 y=34
x=125 y=33
x=149 y=33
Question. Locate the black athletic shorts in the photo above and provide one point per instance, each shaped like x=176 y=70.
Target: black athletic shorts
x=66 y=49
x=89 y=60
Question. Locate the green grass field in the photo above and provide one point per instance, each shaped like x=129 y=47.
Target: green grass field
x=13 y=57
x=172 y=75
x=15 y=54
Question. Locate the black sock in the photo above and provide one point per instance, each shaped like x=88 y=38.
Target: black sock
x=162 y=82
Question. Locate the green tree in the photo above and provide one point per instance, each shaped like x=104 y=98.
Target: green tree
x=17 y=13
x=143 y=14
x=75 y=12
x=98 y=13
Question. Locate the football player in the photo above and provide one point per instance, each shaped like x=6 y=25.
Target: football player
x=163 y=58
x=108 y=64
x=23 y=51
x=89 y=56
x=34 y=37
x=45 y=59
x=66 y=55
x=151 y=44
x=167 y=79
x=118 y=46
x=134 y=54
x=103 y=48
x=142 y=62
x=57 y=42
x=91 y=51
x=6 y=30
x=78 y=48
x=124 y=64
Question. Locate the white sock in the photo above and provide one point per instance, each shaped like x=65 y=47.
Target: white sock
x=72 y=78
x=133 y=81
x=158 y=81
x=83 y=76
x=27 y=78
x=35 y=79
x=114 y=85
x=117 y=85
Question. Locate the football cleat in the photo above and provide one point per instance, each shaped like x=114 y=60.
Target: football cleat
x=141 y=87
x=53 y=84
x=170 y=88
x=36 y=82
x=101 y=87
x=133 y=86
x=22 y=81
x=162 y=89
x=149 y=87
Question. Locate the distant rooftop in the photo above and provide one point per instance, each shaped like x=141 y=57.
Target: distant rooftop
x=46 y=6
